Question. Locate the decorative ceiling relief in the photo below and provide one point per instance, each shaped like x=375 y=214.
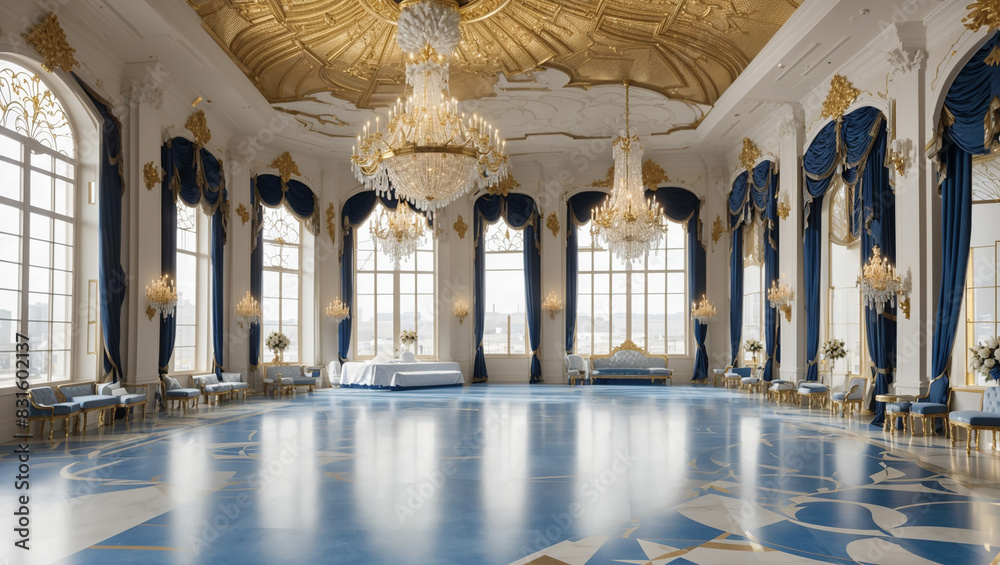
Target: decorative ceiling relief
x=688 y=50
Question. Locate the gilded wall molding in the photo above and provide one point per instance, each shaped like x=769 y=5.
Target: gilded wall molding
x=48 y=38
x=243 y=213
x=717 y=230
x=749 y=154
x=983 y=13
x=504 y=187
x=552 y=222
x=286 y=166
x=331 y=225
x=152 y=175
x=198 y=126
x=840 y=97
x=460 y=227
x=653 y=176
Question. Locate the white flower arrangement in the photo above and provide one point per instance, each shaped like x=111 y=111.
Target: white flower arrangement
x=277 y=341
x=408 y=336
x=753 y=346
x=834 y=349
x=985 y=357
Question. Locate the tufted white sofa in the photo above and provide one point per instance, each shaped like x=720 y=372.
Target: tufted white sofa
x=629 y=361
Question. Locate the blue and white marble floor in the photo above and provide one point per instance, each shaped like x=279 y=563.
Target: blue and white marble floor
x=506 y=474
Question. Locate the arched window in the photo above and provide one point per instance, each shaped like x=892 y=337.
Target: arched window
x=647 y=304
x=845 y=310
x=192 y=344
x=37 y=225
x=389 y=300
x=505 y=331
x=282 y=282
x=753 y=287
x=982 y=294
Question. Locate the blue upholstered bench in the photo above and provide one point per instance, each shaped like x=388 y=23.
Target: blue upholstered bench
x=814 y=390
x=174 y=393
x=235 y=380
x=211 y=387
x=629 y=361
x=128 y=400
x=285 y=378
x=977 y=420
x=44 y=406
x=89 y=399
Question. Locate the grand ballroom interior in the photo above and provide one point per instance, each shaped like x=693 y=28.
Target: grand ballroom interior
x=500 y=281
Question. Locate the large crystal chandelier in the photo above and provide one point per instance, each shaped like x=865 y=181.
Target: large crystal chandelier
x=879 y=282
x=628 y=224
x=398 y=232
x=428 y=152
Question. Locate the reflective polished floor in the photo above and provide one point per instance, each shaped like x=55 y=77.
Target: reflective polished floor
x=506 y=474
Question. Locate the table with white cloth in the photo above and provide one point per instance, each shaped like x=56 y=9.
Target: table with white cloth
x=385 y=375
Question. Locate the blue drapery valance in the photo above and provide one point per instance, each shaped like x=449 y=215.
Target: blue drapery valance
x=194 y=175
x=112 y=281
x=520 y=212
x=355 y=212
x=968 y=127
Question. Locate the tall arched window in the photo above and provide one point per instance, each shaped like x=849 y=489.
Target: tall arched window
x=192 y=345
x=845 y=311
x=505 y=331
x=753 y=287
x=982 y=294
x=647 y=304
x=282 y=282
x=389 y=300
x=37 y=225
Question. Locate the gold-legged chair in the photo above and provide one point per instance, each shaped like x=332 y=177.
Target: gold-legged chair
x=851 y=399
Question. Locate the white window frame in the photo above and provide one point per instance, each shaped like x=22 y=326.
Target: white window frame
x=203 y=295
x=297 y=338
x=520 y=254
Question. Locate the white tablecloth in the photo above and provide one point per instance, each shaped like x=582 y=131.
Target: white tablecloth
x=379 y=375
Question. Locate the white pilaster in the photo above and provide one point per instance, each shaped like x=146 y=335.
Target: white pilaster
x=794 y=361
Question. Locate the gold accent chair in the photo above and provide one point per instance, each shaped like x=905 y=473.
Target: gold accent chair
x=44 y=406
x=851 y=399
x=929 y=412
x=975 y=421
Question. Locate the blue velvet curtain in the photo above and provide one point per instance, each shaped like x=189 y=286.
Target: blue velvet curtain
x=111 y=279
x=269 y=190
x=356 y=210
x=194 y=175
x=579 y=209
x=967 y=105
x=520 y=212
x=683 y=206
x=735 y=288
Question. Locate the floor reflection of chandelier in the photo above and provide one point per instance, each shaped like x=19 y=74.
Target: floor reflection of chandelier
x=879 y=282
x=429 y=153
x=398 y=232
x=628 y=224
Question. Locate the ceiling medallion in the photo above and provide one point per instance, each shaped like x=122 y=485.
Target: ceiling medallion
x=429 y=153
x=628 y=224
x=331 y=227
x=983 y=13
x=460 y=227
x=198 y=126
x=293 y=50
x=750 y=154
x=286 y=166
x=48 y=38
x=504 y=187
x=151 y=175
x=842 y=94
x=552 y=222
x=243 y=213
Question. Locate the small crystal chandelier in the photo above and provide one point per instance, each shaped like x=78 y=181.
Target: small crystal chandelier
x=552 y=305
x=879 y=282
x=248 y=310
x=398 y=232
x=628 y=224
x=429 y=153
x=162 y=296
x=338 y=310
x=781 y=296
x=703 y=312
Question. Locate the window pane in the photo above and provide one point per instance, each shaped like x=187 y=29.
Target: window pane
x=10 y=175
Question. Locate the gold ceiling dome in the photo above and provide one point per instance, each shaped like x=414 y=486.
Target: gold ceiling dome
x=690 y=50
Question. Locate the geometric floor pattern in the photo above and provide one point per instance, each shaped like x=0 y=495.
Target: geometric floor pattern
x=506 y=474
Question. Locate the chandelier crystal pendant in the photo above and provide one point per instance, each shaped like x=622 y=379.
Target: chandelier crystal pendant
x=429 y=153
x=162 y=296
x=628 y=224
x=879 y=282
x=248 y=311
x=398 y=232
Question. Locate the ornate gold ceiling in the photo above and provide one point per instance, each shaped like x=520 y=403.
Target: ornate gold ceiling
x=688 y=50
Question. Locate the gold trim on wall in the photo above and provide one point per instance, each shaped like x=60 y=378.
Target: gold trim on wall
x=49 y=39
x=460 y=227
x=717 y=230
x=243 y=213
x=983 y=13
x=198 y=126
x=840 y=97
x=286 y=166
x=331 y=227
x=749 y=154
x=504 y=187
x=152 y=175
x=92 y=305
x=552 y=222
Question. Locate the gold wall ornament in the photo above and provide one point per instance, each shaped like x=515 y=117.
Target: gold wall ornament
x=607 y=181
x=552 y=222
x=842 y=94
x=749 y=154
x=198 y=126
x=331 y=226
x=504 y=187
x=653 y=175
x=993 y=59
x=286 y=166
x=48 y=38
x=291 y=50
x=783 y=210
x=243 y=213
x=152 y=175
x=717 y=230
x=460 y=227
x=150 y=312
x=983 y=13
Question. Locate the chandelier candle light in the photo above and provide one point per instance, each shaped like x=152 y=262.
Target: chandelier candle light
x=879 y=282
x=552 y=305
x=628 y=224
x=162 y=296
x=429 y=153
x=703 y=312
x=780 y=296
x=248 y=310
x=399 y=232
x=338 y=310
x=460 y=311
